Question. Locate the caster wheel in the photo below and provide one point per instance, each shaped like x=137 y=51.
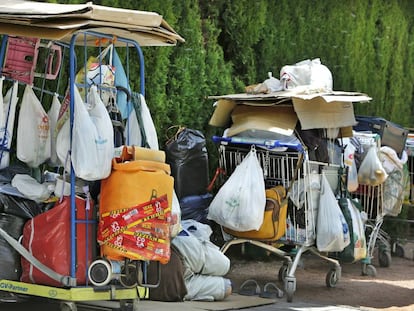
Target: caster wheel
x=68 y=306
x=369 y=270
x=384 y=258
x=100 y=272
x=398 y=251
x=130 y=305
x=283 y=271
x=290 y=288
x=129 y=276
x=332 y=278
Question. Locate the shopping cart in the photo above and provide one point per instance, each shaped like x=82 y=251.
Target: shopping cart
x=379 y=201
x=371 y=199
x=287 y=165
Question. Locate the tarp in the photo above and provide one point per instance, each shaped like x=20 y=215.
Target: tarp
x=60 y=21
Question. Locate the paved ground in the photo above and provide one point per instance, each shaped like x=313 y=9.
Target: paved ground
x=391 y=290
x=37 y=304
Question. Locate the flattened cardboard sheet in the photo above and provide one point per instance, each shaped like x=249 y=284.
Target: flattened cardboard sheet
x=317 y=113
x=277 y=119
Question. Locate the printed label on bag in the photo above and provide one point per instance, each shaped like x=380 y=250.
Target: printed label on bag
x=141 y=246
x=115 y=222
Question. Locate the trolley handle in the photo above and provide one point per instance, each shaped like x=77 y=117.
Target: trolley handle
x=268 y=143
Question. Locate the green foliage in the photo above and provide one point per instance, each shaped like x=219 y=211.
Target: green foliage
x=231 y=44
x=367 y=45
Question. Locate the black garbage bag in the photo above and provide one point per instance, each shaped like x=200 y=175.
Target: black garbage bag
x=186 y=153
x=196 y=207
x=17 y=206
x=7 y=174
x=10 y=267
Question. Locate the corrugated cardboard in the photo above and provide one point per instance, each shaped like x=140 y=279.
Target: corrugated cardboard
x=318 y=113
x=277 y=119
x=60 y=21
x=222 y=113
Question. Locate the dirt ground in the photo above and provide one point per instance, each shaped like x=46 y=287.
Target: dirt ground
x=392 y=288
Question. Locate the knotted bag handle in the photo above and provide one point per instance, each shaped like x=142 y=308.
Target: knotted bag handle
x=178 y=130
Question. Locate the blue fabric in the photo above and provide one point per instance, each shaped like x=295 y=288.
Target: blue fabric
x=121 y=80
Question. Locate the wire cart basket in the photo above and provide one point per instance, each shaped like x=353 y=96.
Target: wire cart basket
x=372 y=202
x=289 y=166
x=378 y=202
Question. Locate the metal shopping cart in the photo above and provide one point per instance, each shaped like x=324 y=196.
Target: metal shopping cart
x=379 y=201
x=287 y=165
x=371 y=199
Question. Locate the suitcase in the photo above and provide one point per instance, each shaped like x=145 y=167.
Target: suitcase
x=274 y=219
x=392 y=135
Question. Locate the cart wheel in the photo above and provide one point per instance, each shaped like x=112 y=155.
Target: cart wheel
x=384 y=258
x=332 y=278
x=128 y=305
x=398 y=251
x=129 y=276
x=283 y=271
x=369 y=270
x=68 y=306
x=135 y=303
x=290 y=287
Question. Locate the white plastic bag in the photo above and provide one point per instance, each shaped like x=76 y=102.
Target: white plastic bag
x=359 y=242
x=273 y=84
x=63 y=145
x=240 y=202
x=92 y=138
x=133 y=128
x=309 y=73
x=396 y=182
x=31 y=189
x=33 y=133
x=349 y=162
x=53 y=114
x=7 y=116
x=332 y=231
x=175 y=225
x=371 y=171
x=208 y=259
x=99 y=72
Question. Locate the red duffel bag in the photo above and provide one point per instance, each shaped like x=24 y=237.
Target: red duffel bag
x=48 y=238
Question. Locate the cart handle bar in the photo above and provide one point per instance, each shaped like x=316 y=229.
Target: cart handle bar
x=268 y=143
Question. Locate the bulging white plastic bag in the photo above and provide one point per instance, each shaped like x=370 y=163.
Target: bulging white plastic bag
x=140 y=129
x=358 y=228
x=371 y=172
x=93 y=138
x=239 y=204
x=33 y=133
x=332 y=231
x=30 y=188
x=349 y=162
x=307 y=73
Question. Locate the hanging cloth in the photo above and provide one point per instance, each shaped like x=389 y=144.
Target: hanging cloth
x=7 y=116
